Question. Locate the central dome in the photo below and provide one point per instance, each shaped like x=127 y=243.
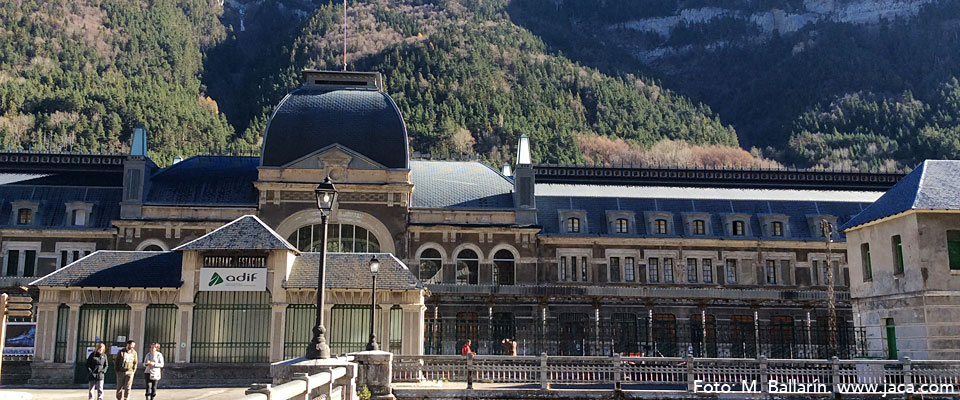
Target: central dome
x=336 y=108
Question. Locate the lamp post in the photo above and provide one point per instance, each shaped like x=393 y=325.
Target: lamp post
x=326 y=202
x=374 y=268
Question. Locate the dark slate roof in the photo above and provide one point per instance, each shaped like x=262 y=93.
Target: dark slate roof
x=108 y=268
x=51 y=200
x=798 y=212
x=308 y=120
x=245 y=233
x=212 y=180
x=351 y=271
x=934 y=185
x=459 y=184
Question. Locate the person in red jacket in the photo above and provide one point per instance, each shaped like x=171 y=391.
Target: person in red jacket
x=466 y=349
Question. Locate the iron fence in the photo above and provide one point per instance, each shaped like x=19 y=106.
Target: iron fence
x=160 y=326
x=231 y=327
x=576 y=334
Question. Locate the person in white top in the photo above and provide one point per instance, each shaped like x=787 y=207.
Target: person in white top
x=152 y=364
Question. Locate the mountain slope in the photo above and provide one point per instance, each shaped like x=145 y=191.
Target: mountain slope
x=468 y=80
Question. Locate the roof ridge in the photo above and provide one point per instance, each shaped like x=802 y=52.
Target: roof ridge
x=916 y=192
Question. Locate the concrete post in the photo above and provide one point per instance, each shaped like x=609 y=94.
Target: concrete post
x=544 y=383
x=764 y=375
x=184 y=331
x=470 y=371
x=385 y=324
x=375 y=371
x=413 y=329
x=907 y=371
x=617 y=371
x=691 y=386
x=835 y=372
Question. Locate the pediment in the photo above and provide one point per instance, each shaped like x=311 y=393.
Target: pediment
x=334 y=156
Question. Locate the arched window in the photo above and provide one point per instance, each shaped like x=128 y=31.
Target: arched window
x=431 y=264
x=660 y=226
x=468 y=267
x=152 y=247
x=573 y=225
x=776 y=228
x=503 y=268
x=341 y=238
x=738 y=228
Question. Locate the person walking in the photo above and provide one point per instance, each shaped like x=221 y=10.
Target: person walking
x=152 y=364
x=125 y=365
x=513 y=346
x=96 y=370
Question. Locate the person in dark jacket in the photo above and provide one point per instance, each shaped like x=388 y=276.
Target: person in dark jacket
x=96 y=370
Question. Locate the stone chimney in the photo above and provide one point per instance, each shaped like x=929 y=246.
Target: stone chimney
x=524 y=199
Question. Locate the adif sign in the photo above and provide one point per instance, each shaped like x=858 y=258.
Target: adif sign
x=233 y=279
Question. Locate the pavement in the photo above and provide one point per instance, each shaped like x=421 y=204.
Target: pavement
x=110 y=394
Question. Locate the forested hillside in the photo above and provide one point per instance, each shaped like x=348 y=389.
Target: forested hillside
x=78 y=75
x=837 y=83
x=467 y=80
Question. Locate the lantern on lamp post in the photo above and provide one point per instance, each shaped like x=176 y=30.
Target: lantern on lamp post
x=374 y=268
x=326 y=201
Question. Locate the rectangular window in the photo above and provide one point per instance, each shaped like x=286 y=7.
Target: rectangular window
x=661 y=226
x=29 y=262
x=667 y=270
x=13 y=263
x=563 y=269
x=573 y=225
x=707 y=270
x=24 y=216
x=771 y=272
x=731 y=271
x=897 y=246
x=699 y=227
x=777 y=228
x=623 y=226
x=583 y=268
x=692 y=270
x=573 y=268
x=628 y=268
x=614 y=269
x=738 y=228
x=865 y=259
x=79 y=217
x=653 y=270
x=953 y=249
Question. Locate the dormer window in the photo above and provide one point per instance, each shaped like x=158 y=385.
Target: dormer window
x=79 y=217
x=699 y=227
x=738 y=228
x=24 y=216
x=776 y=228
x=573 y=225
x=660 y=226
x=623 y=225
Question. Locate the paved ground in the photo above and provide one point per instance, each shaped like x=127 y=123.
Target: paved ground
x=109 y=394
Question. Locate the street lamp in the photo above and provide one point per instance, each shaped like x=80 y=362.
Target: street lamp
x=374 y=268
x=326 y=202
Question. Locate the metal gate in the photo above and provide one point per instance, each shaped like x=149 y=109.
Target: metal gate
x=160 y=326
x=231 y=327
x=101 y=323
x=298 y=329
x=349 y=329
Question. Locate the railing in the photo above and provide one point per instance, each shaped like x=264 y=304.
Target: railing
x=302 y=386
x=686 y=374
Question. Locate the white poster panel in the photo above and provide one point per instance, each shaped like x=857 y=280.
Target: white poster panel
x=233 y=279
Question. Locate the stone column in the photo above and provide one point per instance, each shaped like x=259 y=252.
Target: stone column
x=184 y=332
x=138 y=313
x=73 y=326
x=384 y=334
x=46 y=331
x=278 y=318
x=413 y=329
x=375 y=371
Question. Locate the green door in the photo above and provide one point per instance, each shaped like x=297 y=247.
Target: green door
x=891 y=341
x=101 y=323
